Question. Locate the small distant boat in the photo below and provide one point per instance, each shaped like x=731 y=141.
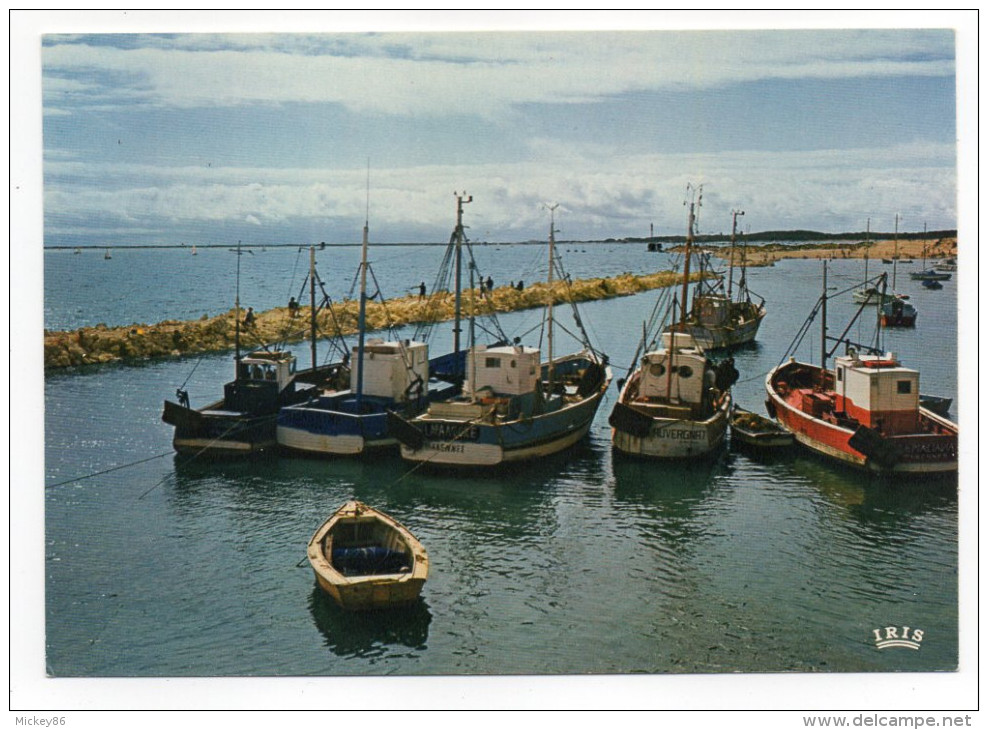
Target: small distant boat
x=932 y=284
x=888 y=261
x=365 y=559
x=937 y=404
x=898 y=314
x=77 y=250
x=107 y=254
x=871 y=295
x=194 y=251
x=752 y=430
x=948 y=265
x=930 y=274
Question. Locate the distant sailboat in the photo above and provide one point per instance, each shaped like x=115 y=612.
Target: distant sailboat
x=107 y=254
x=194 y=252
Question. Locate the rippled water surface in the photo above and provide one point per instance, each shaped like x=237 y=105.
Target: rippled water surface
x=584 y=562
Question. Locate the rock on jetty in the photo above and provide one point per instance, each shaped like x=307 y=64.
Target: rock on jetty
x=173 y=338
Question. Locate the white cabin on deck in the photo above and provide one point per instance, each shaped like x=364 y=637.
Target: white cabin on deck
x=877 y=391
x=277 y=366
x=687 y=381
x=391 y=367
x=506 y=370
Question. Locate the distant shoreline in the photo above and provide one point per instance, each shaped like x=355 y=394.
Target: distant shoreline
x=761 y=238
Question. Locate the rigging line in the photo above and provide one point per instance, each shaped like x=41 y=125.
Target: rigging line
x=107 y=471
x=201 y=357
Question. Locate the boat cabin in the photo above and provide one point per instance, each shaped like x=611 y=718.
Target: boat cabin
x=392 y=370
x=503 y=371
x=877 y=391
x=276 y=366
x=689 y=377
x=712 y=310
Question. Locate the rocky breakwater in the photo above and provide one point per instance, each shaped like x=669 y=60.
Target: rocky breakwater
x=174 y=338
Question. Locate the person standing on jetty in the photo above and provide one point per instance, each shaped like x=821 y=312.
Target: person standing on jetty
x=422 y=290
x=292 y=308
x=249 y=317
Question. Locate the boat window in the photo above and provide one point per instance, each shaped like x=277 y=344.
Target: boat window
x=685 y=371
x=840 y=374
x=657 y=370
x=905 y=386
x=492 y=362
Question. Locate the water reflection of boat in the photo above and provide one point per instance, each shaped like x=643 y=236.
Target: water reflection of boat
x=354 y=634
x=366 y=559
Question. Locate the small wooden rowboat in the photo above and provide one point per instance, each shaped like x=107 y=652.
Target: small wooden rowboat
x=750 y=429
x=367 y=560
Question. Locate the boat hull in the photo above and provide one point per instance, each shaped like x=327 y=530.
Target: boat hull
x=712 y=337
x=366 y=592
x=248 y=427
x=920 y=453
x=676 y=438
x=335 y=428
x=457 y=443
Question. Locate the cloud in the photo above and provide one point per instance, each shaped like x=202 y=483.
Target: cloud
x=484 y=74
x=601 y=194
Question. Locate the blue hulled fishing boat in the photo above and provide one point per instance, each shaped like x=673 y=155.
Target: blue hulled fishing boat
x=511 y=407
x=385 y=376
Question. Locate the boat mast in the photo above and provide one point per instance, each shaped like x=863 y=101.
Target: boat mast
x=689 y=247
x=823 y=326
x=730 y=271
x=312 y=305
x=552 y=258
x=458 y=234
x=362 y=316
x=236 y=331
x=895 y=259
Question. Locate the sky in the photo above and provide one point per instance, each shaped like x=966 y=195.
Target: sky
x=297 y=137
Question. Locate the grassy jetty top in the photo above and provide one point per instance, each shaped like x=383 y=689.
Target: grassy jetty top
x=768 y=254
x=173 y=338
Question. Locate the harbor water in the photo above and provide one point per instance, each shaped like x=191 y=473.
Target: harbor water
x=580 y=563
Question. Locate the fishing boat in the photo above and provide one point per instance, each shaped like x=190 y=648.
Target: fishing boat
x=676 y=401
x=717 y=320
x=936 y=403
x=751 y=430
x=869 y=293
x=865 y=412
x=365 y=559
x=932 y=284
x=265 y=380
x=511 y=407
x=928 y=274
x=948 y=265
x=898 y=313
x=384 y=376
